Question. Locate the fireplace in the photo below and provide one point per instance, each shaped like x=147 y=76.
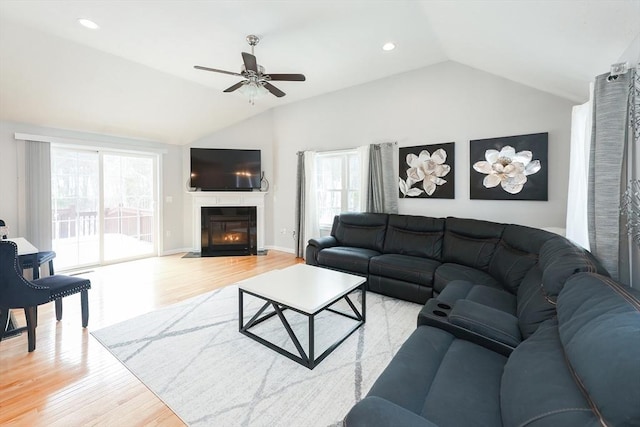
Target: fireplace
x=228 y=231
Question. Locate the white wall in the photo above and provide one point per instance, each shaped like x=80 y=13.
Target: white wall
x=11 y=163
x=442 y=103
x=255 y=133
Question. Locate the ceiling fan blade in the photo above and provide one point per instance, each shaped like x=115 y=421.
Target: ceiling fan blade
x=234 y=87
x=198 y=67
x=250 y=62
x=274 y=90
x=288 y=77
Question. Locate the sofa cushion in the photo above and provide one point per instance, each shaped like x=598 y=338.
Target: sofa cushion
x=485 y=295
x=599 y=328
x=447 y=272
x=516 y=254
x=349 y=259
x=470 y=242
x=537 y=386
x=403 y=267
x=414 y=235
x=448 y=381
x=361 y=230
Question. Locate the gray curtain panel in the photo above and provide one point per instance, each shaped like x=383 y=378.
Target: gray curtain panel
x=383 y=189
x=38 y=197
x=300 y=204
x=608 y=172
x=630 y=250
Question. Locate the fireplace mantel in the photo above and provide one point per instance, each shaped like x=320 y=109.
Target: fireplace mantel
x=202 y=199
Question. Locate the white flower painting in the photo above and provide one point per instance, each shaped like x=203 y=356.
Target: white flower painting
x=509 y=168
x=426 y=171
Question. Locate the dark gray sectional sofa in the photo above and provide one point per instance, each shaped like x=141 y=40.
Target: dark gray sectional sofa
x=490 y=348
x=494 y=283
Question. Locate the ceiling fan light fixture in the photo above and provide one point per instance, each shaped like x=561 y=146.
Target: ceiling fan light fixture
x=388 y=46
x=253 y=91
x=88 y=23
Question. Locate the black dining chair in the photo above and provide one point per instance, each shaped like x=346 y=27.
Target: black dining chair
x=18 y=292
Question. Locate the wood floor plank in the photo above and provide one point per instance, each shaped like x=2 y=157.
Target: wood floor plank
x=71 y=379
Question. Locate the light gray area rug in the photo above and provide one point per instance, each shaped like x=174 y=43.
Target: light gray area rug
x=192 y=356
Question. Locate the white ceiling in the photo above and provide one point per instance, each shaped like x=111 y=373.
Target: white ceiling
x=134 y=76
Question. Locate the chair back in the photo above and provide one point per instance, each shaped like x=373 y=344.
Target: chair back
x=15 y=290
x=3 y=229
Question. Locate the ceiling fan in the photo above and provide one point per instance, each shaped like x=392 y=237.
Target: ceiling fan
x=255 y=79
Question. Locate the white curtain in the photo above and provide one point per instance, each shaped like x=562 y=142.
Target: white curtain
x=38 y=194
x=577 y=228
x=363 y=156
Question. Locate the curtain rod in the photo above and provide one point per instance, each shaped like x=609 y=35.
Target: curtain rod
x=619 y=69
x=343 y=150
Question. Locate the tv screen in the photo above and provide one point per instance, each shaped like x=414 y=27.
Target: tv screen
x=214 y=169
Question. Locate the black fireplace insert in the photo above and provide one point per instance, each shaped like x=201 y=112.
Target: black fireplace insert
x=228 y=231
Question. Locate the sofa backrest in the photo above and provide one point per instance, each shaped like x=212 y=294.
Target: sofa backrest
x=361 y=230
x=532 y=305
x=414 y=235
x=560 y=259
x=516 y=253
x=583 y=367
x=470 y=242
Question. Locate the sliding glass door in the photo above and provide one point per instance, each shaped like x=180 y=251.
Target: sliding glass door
x=129 y=219
x=103 y=206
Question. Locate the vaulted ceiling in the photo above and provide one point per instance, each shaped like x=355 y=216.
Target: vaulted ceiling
x=134 y=76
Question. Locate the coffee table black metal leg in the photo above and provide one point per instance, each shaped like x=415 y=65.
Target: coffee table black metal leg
x=312 y=340
x=240 y=308
x=364 y=302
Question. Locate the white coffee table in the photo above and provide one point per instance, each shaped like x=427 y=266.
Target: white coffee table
x=307 y=290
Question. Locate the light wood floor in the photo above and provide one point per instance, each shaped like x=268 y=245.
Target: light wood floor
x=70 y=379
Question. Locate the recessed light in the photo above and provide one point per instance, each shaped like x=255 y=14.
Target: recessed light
x=388 y=46
x=87 y=23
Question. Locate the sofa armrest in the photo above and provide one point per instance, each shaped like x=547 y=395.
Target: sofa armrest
x=486 y=321
x=375 y=411
x=323 y=242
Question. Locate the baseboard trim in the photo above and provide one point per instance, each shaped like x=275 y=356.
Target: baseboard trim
x=281 y=249
x=175 y=251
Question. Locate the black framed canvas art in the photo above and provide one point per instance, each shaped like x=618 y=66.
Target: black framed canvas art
x=427 y=171
x=509 y=168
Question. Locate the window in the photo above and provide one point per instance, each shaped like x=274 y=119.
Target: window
x=338 y=183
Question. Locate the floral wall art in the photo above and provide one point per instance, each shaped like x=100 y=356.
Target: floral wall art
x=427 y=171
x=509 y=168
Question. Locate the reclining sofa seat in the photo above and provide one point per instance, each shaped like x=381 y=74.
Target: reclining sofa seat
x=411 y=254
x=579 y=369
x=354 y=240
x=511 y=315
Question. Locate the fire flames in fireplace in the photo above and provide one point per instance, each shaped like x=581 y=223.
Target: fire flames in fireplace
x=232 y=237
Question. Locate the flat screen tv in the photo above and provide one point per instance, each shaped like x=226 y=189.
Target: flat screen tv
x=218 y=169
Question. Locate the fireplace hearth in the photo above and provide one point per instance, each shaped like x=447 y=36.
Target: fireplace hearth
x=228 y=231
